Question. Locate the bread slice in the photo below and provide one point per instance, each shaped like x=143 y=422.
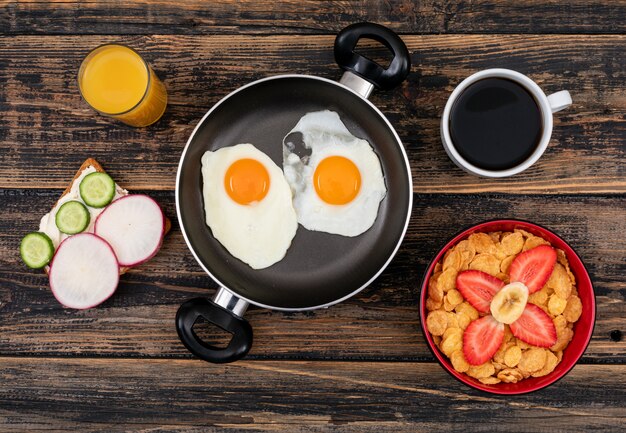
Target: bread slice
x=95 y=164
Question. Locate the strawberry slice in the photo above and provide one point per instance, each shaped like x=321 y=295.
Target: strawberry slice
x=478 y=288
x=481 y=339
x=534 y=327
x=533 y=267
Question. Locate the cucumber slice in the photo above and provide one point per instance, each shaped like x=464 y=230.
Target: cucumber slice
x=97 y=189
x=72 y=217
x=36 y=250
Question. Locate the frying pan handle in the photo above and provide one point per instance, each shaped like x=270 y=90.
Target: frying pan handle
x=237 y=348
x=382 y=78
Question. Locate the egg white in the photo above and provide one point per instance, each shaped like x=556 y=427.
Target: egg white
x=325 y=135
x=259 y=233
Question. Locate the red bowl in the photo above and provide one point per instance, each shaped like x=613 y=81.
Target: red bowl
x=582 y=329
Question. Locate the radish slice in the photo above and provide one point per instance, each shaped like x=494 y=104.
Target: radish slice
x=84 y=271
x=134 y=226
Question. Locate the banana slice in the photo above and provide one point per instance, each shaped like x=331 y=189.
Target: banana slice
x=509 y=303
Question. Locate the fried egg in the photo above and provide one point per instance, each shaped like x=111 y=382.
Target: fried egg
x=247 y=203
x=339 y=186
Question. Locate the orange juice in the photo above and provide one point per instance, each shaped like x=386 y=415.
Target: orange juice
x=117 y=82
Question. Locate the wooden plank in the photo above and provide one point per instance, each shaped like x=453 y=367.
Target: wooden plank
x=297 y=396
x=381 y=323
x=309 y=16
x=42 y=114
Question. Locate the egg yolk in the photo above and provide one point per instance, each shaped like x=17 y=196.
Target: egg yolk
x=247 y=181
x=337 y=180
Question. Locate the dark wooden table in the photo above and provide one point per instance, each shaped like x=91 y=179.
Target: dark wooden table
x=361 y=366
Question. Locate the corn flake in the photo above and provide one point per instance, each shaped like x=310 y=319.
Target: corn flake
x=506 y=264
x=435 y=292
x=437 y=322
x=563 y=337
x=467 y=309
x=486 y=263
x=447 y=279
x=463 y=320
x=481 y=371
x=454 y=297
x=556 y=305
x=550 y=365
x=532 y=360
x=452 y=342
x=512 y=356
x=452 y=260
x=459 y=363
x=533 y=242
x=540 y=298
x=512 y=243
x=482 y=243
x=560 y=282
x=432 y=305
x=489 y=380
x=573 y=309
x=510 y=375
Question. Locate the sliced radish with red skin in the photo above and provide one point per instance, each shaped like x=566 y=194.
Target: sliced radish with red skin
x=534 y=327
x=478 y=288
x=84 y=271
x=481 y=339
x=134 y=225
x=533 y=267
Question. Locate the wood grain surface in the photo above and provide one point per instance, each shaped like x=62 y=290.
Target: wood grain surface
x=309 y=16
x=295 y=396
x=381 y=323
x=358 y=367
x=43 y=111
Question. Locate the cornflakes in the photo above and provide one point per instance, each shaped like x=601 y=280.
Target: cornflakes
x=512 y=356
x=512 y=243
x=533 y=242
x=489 y=380
x=482 y=243
x=447 y=279
x=452 y=260
x=506 y=264
x=510 y=375
x=550 y=365
x=560 y=282
x=468 y=310
x=454 y=297
x=431 y=304
x=532 y=359
x=450 y=314
x=481 y=371
x=486 y=263
x=437 y=322
x=573 y=309
x=452 y=342
x=458 y=361
x=556 y=305
x=463 y=320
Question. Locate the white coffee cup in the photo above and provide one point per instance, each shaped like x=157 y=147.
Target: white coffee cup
x=547 y=104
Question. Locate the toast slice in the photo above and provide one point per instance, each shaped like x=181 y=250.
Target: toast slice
x=96 y=165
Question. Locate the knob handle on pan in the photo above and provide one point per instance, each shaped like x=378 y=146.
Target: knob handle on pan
x=237 y=348
x=382 y=78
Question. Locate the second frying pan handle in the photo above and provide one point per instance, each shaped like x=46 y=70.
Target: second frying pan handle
x=349 y=60
x=240 y=343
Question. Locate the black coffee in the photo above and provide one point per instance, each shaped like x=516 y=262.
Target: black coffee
x=495 y=124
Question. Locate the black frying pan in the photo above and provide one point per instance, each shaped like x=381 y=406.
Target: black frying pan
x=319 y=269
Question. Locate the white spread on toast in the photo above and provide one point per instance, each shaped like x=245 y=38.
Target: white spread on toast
x=48 y=225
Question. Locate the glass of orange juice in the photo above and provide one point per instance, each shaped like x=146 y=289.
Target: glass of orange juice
x=117 y=82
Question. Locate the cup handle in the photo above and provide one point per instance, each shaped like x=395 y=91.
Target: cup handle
x=560 y=100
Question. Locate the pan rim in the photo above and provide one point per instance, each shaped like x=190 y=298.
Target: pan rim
x=223 y=286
